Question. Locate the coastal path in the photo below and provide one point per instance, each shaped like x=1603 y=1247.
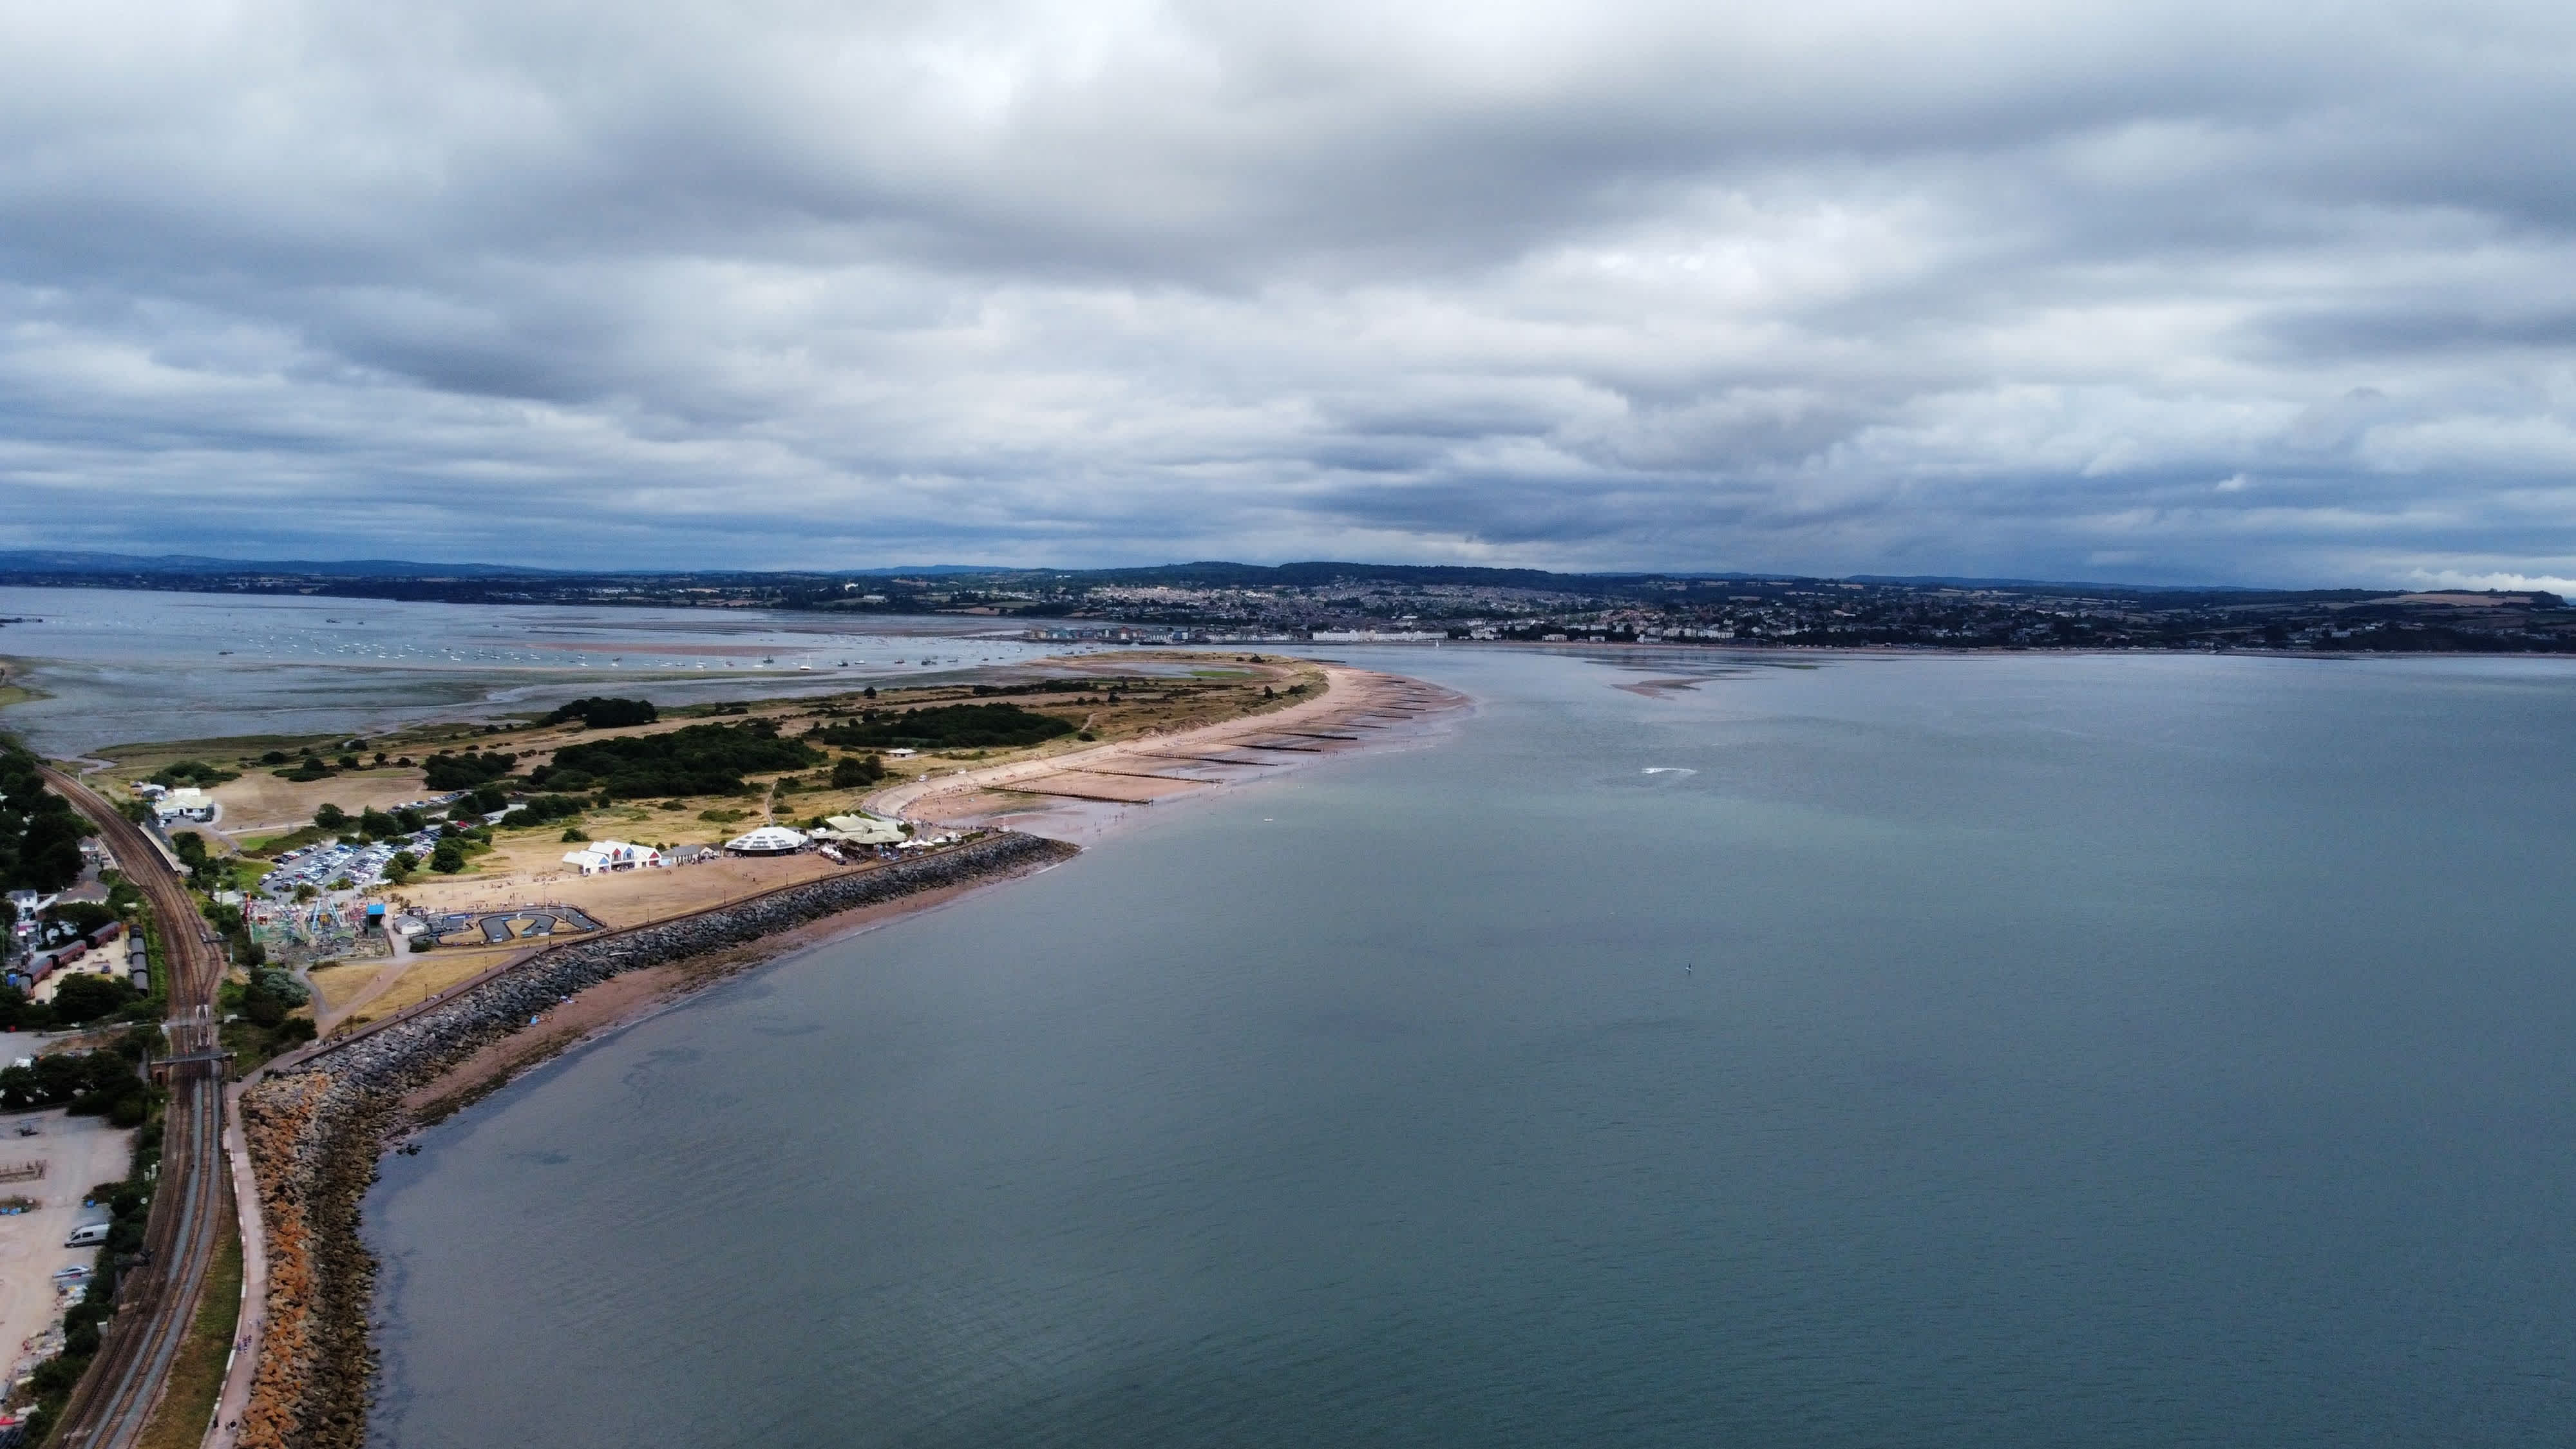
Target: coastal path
x=157 y=1300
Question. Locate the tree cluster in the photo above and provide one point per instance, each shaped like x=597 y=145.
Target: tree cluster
x=234 y=928
x=707 y=759
x=40 y=833
x=547 y=809
x=81 y=998
x=945 y=727
x=206 y=872
x=444 y=771
x=602 y=712
x=92 y=1084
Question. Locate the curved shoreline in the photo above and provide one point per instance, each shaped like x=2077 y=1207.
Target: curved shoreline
x=316 y=1122
x=317 y=1125
x=1352 y=698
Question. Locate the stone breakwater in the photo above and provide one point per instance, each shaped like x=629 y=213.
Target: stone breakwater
x=316 y=1129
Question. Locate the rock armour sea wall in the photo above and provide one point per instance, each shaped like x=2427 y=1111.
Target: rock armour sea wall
x=315 y=1129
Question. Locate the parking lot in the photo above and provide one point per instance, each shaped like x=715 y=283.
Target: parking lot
x=320 y=864
x=77 y=1153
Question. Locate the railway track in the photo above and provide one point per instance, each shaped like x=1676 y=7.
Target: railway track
x=157 y=1299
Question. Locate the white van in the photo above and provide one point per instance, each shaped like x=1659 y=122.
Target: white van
x=88 y=1235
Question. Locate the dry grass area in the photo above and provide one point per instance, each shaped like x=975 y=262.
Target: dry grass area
x=334 y=987
x=407 y=981
x=532 y=871
x=260 y=803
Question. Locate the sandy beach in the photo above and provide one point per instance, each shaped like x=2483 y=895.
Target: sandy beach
x=1078 y=795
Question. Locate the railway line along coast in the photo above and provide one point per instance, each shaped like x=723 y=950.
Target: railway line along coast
x=157 y=1299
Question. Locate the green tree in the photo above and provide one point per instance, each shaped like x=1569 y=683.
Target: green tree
x=83 y=997
x=605 y=713
x=449 y=857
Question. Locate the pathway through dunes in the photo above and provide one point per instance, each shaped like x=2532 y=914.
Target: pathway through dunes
x=1356 y=702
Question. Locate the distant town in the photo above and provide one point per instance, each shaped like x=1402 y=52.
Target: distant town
x=1227 y=603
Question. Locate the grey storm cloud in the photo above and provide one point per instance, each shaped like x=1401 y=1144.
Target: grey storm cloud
x=2155 y=291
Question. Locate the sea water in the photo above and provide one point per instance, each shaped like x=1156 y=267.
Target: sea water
x=2010 y=1050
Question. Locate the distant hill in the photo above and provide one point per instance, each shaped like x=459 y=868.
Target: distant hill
x=69 y=561
x=405 y=576
x=1947 y=581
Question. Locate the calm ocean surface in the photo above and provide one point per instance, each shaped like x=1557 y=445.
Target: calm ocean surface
x=2072 y=1051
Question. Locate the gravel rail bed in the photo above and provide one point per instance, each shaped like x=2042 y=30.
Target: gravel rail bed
x=316 y=1127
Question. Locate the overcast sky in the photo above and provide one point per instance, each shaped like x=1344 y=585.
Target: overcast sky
x=2180 y=292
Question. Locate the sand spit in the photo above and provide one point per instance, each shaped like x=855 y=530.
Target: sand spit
x=315 y=1128
x=1359 y=708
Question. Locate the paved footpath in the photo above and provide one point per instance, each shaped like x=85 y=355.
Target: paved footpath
x=238 y=1370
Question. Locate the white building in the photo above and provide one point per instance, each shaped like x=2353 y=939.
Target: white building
x=185 y=803
x=603 y=856
x=767 y=840
x=862 y=830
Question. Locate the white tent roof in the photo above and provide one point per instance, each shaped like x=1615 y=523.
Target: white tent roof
x=609 y=852
x=768 y=838
x=865 y=829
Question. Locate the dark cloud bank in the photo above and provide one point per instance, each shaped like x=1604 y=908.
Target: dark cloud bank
x=2132 y=291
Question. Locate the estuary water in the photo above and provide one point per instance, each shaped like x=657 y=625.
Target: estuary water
x=2018 y=1051
x=120 y=666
